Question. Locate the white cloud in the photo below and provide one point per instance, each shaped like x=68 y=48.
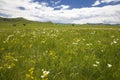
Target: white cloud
x=108 y=1
x=65 y=6
x=97 y=2
x=62 y=7
x=55 y=2
x=42 y=12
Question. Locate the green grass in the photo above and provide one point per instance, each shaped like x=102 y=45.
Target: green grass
x=65 y=52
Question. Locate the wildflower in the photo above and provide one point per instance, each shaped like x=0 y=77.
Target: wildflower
x=30 y=45
x=45 y=74
x=43 y=32
x=27 y=75
x=112 y=36
x=57 y=31
x=32 y=61
x=102 y=50
x=95 y=65
x=117 y=39
x=16 y=60
x=53 y=35
x=30 y=74
x=31 y=69
x=32 y=77
x=21 y=56
x=10 y=36
x=93 y=32
x=4 y=41
x=99 y=41
x=78 y=40
x=53 y=54
x=43 y=41
x=17 y=31
x=109 y=65
x=83 y=39
x=1 y=67
x=114 y=41
x=12 y=65
x=9 y=67
x=97 y=62
x=75 y=43
x=23 y=35
x=89 y=44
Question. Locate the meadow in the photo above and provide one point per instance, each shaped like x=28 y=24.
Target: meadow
x=46 y=51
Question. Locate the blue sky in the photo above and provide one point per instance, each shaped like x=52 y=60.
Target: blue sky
x=77 y=3
x=63 y=11
x=72 y=3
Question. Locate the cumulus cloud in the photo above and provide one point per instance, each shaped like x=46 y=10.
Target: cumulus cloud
x=42 y=12
x=62 y=7
x=97 y=2
x=55 y=2
x=108 y=1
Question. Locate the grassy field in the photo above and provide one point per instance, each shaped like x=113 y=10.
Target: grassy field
x=46 y=51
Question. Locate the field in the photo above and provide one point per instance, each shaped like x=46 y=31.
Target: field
x=46 y=51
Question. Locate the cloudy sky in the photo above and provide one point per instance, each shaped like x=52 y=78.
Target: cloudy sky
x=63 y=11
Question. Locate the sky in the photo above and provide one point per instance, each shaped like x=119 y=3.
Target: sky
x=63 y=11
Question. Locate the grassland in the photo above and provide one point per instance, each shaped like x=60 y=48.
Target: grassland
x=46 y=51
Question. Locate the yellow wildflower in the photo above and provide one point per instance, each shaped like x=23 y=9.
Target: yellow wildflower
x=27 y=75
x=31 y=69
x=1 y=67
x=30 y=74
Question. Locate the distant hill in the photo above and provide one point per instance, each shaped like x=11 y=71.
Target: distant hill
x=13 y=20
x=18 y=22
x=22 y=20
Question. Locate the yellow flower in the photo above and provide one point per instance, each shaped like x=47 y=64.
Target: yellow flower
x=27 y=75
x=1 y=67
x=52 y=53
x=12 y=65
x=9 y=58
x=32 y=77
x=30 y=45
x=30 y=74
x=6 y=65
x=31 y=69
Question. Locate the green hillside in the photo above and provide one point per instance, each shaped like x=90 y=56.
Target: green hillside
x=19 y=22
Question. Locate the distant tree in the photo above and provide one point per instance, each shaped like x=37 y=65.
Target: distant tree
x=4 y=20
x=24 y=24
x=14 y=24
x=49 y=22
x=73 y=24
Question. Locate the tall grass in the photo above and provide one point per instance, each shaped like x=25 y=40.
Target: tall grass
x=53 y=52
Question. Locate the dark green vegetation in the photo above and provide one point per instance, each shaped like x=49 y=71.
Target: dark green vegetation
x=47 y=51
